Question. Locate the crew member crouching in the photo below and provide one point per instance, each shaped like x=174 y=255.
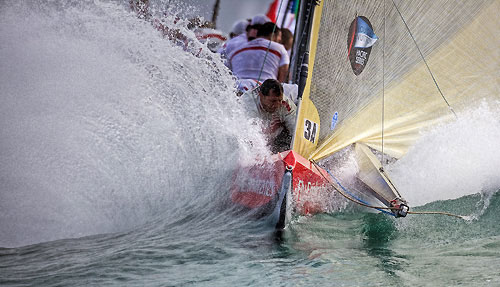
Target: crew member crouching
x=277 y=113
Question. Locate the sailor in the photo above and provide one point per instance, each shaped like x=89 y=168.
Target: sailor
x=239 y=27
x=291 y=91
x=276 y=112
x=237 y=37
x=250 y=33
x=255 y=24
x=287 y=40
x=260 y=59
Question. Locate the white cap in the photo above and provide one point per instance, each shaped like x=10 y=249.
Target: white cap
x=239 y=27
x=260 y=19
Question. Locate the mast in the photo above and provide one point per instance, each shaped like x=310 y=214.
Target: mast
x=215 y=12
x=300 y=52
x=301 y=37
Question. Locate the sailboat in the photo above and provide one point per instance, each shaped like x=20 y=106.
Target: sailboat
x=372 y=75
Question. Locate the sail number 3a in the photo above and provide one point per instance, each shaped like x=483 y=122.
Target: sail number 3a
x=310 y=129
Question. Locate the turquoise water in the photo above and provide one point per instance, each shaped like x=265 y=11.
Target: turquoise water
x=220 y=249
x=117 y=148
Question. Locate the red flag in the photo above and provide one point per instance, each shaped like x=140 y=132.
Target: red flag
x=272 y=12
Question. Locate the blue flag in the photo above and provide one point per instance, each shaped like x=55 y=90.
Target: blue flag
x=365 y=37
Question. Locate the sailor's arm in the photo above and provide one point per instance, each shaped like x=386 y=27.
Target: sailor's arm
x=289 y=111
x=284 y=63
x=282 y=73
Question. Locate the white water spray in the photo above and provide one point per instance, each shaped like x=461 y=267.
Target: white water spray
x=453 y=160
x=105 y=124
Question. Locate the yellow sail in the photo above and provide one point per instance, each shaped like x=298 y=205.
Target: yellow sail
x=431 y=56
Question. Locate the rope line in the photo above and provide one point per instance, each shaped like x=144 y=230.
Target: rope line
x=437 y=212
x=422 y=55
x=380 y=208
x=355 y=200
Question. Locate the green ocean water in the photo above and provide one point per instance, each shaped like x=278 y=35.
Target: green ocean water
x=340 y=249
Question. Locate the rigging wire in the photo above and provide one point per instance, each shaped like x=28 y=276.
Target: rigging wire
x=383 y=89
x=267 y=52
x=269 y=45
x=423 y=58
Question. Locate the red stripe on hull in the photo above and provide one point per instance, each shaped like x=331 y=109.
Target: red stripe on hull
x=256 y=186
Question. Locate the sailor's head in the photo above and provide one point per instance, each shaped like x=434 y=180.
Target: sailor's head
x=269 y=31
x=255 y=24
x=271 y=95
x=239 y=27
x=287 y=39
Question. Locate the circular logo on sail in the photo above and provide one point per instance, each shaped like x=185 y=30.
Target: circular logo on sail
x=359 y=43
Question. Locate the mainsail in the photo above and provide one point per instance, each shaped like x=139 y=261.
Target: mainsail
x=427 y=61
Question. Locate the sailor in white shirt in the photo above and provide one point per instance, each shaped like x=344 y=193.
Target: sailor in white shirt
x=236 y=40
x=250 y=33
x=261 y=58
x=233 y=44
x=239 y=27
x=276 y=112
